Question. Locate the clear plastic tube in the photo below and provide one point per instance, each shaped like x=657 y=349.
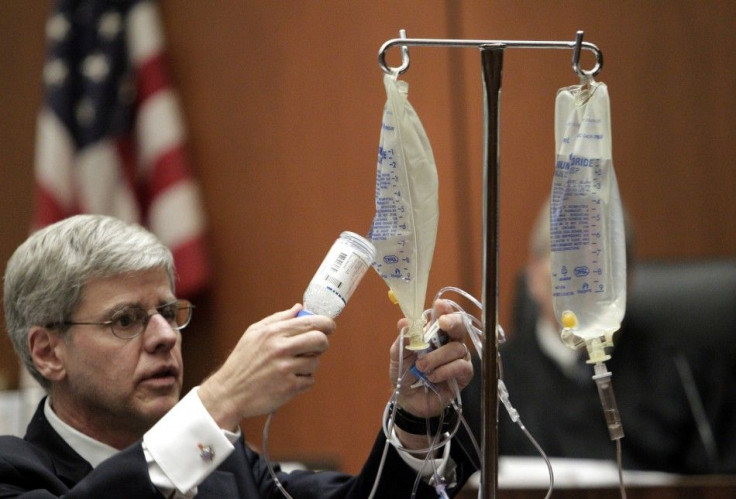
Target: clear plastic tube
x=474 y=329
x=602 y=378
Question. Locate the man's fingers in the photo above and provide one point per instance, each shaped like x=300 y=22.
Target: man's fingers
x=281 y=315
x=309 y=344
x=454 y=325
x=444 y=356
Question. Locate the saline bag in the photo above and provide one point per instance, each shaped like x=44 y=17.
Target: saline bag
x=404 y=228
x=588 y=248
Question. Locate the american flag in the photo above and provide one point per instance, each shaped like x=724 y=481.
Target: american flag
x=110 y=135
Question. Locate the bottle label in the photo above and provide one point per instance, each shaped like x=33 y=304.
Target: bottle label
x=341 y=270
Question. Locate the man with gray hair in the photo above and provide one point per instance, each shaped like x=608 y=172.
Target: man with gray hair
x=91 y=309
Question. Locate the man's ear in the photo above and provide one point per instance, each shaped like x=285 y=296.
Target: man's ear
x=43 y=346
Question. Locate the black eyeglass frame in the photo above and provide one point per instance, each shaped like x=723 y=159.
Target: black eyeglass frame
x=181 y=305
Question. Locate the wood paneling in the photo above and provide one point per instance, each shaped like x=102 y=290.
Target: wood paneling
x=283 y=103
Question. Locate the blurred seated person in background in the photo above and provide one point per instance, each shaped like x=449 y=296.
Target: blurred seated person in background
x=552 y=388
x=91 y=308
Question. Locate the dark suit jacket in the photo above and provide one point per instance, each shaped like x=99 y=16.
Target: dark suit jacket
x=42 y=465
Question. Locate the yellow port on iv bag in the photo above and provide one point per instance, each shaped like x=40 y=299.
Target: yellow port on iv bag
x=404 y=229
x=588 y=249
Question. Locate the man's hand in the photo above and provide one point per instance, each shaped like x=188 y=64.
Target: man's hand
x=450 y=361
x=274 y=360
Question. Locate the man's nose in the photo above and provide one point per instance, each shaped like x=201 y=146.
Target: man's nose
x=159 y=335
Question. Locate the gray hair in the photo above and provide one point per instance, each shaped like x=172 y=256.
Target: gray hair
x=46 y=275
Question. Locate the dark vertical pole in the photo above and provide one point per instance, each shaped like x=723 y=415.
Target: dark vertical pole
x=492 y=59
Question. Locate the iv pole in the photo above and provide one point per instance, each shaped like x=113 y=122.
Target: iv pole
x=492 y=63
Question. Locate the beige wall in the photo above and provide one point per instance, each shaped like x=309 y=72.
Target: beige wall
x=283 y=102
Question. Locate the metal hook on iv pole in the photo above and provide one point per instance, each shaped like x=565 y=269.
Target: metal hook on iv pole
x=404 y=57
x=577 y=46
x=576 y=58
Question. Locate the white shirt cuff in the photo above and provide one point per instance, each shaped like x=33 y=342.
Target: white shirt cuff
x=186 y=445
x=425 y=467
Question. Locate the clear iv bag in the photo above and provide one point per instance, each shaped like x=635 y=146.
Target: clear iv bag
x=404 y=228
x=588 y=248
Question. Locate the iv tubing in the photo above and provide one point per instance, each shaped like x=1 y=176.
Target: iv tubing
x=269 y=464
x=388 y=425
x=602 y=378
x=619 y=462
x=475 y=334
x=438 y=440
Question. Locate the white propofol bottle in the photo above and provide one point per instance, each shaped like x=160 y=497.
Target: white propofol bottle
x=588 y=254
x=339 y=274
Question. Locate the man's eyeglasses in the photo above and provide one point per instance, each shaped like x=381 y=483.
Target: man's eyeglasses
x=132 y=321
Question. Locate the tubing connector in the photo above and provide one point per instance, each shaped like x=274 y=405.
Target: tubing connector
x=503 y=395
x=597 y=349
x=417 y=342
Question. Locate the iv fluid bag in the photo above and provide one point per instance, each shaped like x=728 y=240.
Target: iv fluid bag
x=404 y=228
x=588 y=248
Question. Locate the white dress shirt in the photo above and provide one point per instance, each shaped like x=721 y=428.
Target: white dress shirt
x=186 y=445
